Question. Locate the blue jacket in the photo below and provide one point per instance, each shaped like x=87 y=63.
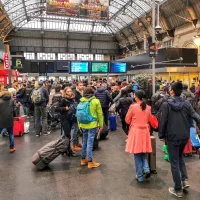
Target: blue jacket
x=104 y=97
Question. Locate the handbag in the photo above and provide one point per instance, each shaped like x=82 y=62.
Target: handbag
x=153 y=121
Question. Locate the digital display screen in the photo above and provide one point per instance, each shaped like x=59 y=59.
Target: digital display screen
x=99 y=67
x=42 y=67
x=63 y=66
x=34 y=67
x=50 y=67
x=79 y=67
x=118 y=68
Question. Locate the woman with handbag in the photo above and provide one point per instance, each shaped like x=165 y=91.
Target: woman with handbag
x=139 y=141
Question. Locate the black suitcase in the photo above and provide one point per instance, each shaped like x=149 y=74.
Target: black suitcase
x=151 y=157
x=104 y=132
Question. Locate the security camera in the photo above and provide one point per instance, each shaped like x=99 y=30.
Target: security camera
x=158 y=28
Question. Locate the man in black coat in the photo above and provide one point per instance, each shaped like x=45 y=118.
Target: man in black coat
x=105 y=99
x=78 y=91
x=6 y=119
x=174 y=127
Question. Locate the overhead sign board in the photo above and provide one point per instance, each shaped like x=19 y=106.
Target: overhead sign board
x=6 y=61
x=152 y=50
x=96 y=9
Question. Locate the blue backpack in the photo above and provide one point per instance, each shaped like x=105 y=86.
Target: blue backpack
x=83 y=113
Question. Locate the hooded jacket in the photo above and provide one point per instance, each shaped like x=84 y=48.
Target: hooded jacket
x=175 y=119
x=95 y=111
x=104 y=97
x=6 y=109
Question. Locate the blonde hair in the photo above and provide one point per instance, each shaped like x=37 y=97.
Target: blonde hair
x=64 y=91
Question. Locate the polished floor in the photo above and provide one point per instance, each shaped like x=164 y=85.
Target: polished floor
x=66 y=180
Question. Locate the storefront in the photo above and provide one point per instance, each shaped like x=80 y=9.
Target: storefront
x=4 y=76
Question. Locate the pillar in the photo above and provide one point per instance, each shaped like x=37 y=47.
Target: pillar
x=7 y=50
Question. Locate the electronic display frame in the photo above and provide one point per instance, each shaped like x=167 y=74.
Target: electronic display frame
x=114 y=64
x=71 y=71
x=99 y=72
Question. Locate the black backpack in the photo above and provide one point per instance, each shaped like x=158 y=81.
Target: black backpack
x=28 y=92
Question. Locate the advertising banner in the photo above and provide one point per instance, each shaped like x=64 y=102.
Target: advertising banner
x=92 y=9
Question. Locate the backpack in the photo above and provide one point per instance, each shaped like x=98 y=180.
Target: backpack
x=136 y=87
x=83 y=112
x=37 y=96
x=71 y=114
x=28 y=92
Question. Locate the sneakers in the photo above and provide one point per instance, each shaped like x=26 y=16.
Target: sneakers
x=38 y=135
x=136 y=178
x=185 y=184
x=93 y=164
x=76 y=148
x=84 y=162
x=177 y=194
x=147 y=175
x=12 y=150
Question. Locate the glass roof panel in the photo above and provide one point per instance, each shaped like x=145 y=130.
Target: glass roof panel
x=29 y=14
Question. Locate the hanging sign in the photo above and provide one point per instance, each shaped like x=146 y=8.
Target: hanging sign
x=6 y=61
x=152 y=50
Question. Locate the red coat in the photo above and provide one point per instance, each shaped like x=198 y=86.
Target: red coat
x=139 y=140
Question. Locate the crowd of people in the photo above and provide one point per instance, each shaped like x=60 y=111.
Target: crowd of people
x=174 y=106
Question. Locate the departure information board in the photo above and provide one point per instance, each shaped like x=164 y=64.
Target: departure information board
x=99 y=67
x=118 y=68
x=79 y=67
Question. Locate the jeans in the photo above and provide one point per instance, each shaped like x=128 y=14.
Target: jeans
x=40 y=112
x=125 y=126
x=88 y=140
x=75 y=133
x=178 y=167
x=141 y=165
x=11 y=136
x=105 y=115
x=26 y=108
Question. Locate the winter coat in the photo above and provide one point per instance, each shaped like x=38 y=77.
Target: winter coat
x=66 y=102
x=123 y=105
x=21 y=95
x=95 y=111
x=104 y=97
x=139 y=140
x=193 y=89
x=78 y=96
x=175 y=119
x=6 y=110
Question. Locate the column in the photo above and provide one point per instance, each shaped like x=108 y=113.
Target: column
x=7 y=50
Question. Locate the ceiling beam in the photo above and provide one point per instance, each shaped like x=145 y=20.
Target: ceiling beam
x=24 y=6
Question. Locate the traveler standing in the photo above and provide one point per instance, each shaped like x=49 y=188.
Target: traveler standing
x=193 y=88
x=6 y=119
x=90 y=128
x=78 y=91
x=122 y=107
x=139 y=141
x=40 y=98
x=67 y=109
x=174 y=127
x=105 y=99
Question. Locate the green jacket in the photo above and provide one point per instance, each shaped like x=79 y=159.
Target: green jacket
x=95 y=111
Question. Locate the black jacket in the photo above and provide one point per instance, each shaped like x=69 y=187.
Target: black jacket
x=123 y=105
x=6 y=110
x=175 y=119
x=66 y=114
x=104 y=97
x=78 y=96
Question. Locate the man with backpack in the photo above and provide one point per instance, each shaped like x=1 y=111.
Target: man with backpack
x=90 y=119
x=40 y=100
x=105 y=99
x=174 y=127
x=189 y=96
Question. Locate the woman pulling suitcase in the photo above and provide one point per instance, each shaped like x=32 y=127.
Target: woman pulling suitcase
x=67 y=108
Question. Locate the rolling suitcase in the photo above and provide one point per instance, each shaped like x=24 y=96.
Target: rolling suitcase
x=188 y=149
x=104 y=132
x=113 y=122
x=151 y=157
x=49 y=152
x=18 y=128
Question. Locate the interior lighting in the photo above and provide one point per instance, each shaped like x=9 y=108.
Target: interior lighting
x=196 y=40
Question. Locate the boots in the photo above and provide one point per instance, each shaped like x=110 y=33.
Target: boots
x=79 y=145
x=12 y=150
x=76 y=148
x=93 y=164
x=84 y=162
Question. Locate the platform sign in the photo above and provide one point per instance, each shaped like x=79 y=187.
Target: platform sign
x=6 y=61
x=95 y=9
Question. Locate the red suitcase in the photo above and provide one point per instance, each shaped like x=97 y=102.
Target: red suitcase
x=18 y=128
x=188 y=148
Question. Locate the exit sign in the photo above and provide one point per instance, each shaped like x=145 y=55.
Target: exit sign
x=6 y=61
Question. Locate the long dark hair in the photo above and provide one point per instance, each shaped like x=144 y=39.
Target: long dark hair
x=140 y=95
